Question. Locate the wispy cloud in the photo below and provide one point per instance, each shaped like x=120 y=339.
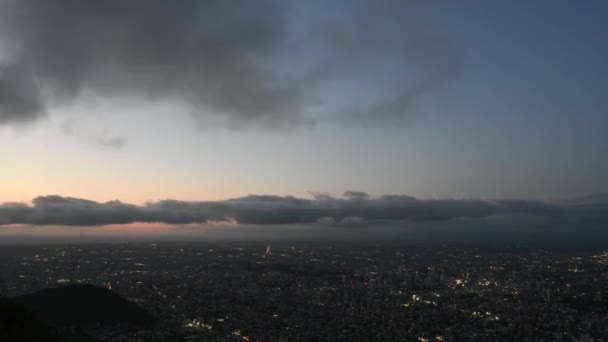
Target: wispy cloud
x=96 y=137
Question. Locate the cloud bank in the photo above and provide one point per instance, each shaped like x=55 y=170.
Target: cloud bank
x=354 y=208
x=235 y=61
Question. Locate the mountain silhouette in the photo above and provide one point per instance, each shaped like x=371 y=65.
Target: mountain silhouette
x=20 y=324
x=85 y=306
x=595 y=200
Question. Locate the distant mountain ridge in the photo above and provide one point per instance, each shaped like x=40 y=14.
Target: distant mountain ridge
x=599 y=199
x=85 y=306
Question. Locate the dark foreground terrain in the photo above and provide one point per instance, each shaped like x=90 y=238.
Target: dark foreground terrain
x=250 y=292
x=69 y=313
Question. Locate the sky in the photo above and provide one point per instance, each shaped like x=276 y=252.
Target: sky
x=209 y=102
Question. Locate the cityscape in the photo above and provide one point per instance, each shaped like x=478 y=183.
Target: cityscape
x=257 y=292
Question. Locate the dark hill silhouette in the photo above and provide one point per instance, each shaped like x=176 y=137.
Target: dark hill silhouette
x=85 y=306
x=20 y=324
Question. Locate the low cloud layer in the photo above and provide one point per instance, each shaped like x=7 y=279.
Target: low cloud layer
x=255 y=62
x=353 y=209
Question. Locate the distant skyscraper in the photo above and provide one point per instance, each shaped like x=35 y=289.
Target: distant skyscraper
x=268 y=251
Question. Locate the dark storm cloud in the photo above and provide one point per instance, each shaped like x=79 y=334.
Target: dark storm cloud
x=217 y=57
x=274 y=210
x=20 y=100
x=75 y=211
x=200 y=52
